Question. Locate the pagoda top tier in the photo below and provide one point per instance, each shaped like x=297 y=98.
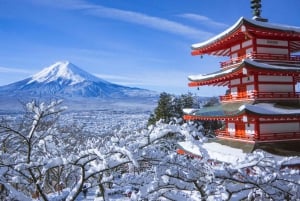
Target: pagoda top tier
x=244 y=30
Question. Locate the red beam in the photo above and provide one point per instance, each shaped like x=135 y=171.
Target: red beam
x=196 y=52
x=194 y=84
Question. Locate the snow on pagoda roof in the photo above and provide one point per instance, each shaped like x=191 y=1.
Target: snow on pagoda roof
x=215 y=151
x=270 y=66
x=239 y=23
x=201 y=77
x=210 y=75
x=221 y=35
x=269 y=109
x=263 y=109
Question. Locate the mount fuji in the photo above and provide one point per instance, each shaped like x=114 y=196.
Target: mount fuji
x=67 y=81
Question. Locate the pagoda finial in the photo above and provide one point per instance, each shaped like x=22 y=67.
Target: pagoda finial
x=256 y=10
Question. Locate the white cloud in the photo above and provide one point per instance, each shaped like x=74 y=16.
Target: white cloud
x=148 y=21
x=154 y=22
x=204 y=20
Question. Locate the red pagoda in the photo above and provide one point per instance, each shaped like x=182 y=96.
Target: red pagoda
x=261 y=103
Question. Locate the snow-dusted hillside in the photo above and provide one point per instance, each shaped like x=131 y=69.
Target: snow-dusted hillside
x=65 y=80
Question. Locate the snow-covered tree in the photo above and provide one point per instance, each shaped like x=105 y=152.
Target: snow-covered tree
x=39 y=153
x=170 y=176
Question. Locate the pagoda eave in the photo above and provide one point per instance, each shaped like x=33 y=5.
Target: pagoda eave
x=214 y=83
x=245 y=29
x=220 y=47
x=218 y=80
x=244 y=68
x=239 y=117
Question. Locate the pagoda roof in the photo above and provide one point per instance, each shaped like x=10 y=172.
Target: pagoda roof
x=219 y=44
x=237 y=69
x=222 y=112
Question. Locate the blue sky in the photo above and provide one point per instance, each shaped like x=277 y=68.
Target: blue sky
x=140 y=43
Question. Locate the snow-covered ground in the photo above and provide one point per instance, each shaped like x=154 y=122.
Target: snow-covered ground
x=104 y=122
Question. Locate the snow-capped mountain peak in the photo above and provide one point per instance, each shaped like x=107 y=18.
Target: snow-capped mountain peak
x=64 y=70
x=64 y=79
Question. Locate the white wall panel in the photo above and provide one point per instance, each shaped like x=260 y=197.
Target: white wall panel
x=248 y=79
x=235 y=48
x=250 y=88
x=250 y=129
x=235 y=81
x=234 y=91
x=271 y=78
x=246 y=43
x=234 y=55
x=275 y=88
x=249 y=50
x=280 y=127
x=270 y=50
x=272 y=42
x=231 y=129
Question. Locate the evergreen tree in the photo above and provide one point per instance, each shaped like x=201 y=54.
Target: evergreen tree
x=163 y=109
x=170 y=106
x=211 y=126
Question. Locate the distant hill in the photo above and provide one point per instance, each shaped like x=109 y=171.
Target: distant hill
x=67 y=81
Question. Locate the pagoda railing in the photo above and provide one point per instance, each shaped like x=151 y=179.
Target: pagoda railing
x=262 y=57
x=261 y=137
x=279 y=136
x=226 y=134
x=261 y=95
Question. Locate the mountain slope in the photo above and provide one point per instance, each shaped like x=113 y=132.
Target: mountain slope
x=65 y=80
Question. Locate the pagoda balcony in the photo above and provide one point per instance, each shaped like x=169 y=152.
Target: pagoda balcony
x=226 y=134
x=261 y=96
x=262 y=137
x=268 y=58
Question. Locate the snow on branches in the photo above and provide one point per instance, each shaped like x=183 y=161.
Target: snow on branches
x=41 y=156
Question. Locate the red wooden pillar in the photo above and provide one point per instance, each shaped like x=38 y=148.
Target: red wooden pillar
x=255 y=78
x=257 y=128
